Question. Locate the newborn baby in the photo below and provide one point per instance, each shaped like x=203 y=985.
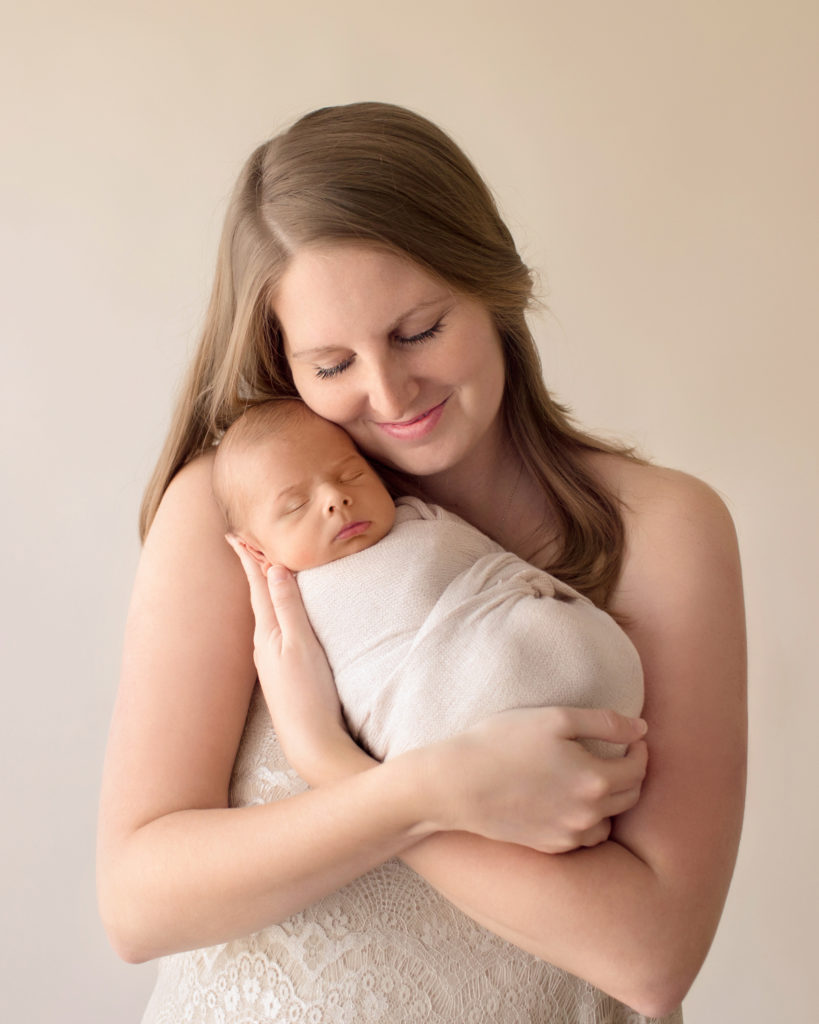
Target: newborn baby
x=428 y=624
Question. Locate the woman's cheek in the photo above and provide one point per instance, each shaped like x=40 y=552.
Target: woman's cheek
x=335 y=407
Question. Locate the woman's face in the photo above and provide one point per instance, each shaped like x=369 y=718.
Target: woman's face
x=413 y=371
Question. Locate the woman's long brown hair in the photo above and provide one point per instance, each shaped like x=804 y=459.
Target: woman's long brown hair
x=385 y=176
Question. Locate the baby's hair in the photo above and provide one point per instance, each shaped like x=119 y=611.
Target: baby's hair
x=253 y=429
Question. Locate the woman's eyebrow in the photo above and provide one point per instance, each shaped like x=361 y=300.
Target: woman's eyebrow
x=307 y=353
x=417 y=308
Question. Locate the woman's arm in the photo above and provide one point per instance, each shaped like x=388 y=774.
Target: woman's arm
x=636 y=915
x=518 y=775
x=178 y=869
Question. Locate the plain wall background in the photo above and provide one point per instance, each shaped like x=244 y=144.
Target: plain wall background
x=657 y=161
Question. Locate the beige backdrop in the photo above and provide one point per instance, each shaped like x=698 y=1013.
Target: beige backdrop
x=658 y=162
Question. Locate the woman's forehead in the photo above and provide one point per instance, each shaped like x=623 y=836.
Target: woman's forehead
x=327 y=290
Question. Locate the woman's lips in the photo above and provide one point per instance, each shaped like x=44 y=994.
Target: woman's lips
x=353 y=529
x=418 y=426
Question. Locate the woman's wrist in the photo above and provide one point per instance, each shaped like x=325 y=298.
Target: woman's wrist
x=414 y=780
x=337 y=756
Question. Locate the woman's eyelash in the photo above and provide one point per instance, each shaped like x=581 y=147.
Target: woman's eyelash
x=423 y=336
x=327 y=372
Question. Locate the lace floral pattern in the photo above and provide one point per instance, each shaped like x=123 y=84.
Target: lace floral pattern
x=386 y=949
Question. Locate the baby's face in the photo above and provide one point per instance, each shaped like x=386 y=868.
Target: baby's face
x=313 y=498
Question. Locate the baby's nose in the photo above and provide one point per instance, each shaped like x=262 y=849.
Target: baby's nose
x=337 y=502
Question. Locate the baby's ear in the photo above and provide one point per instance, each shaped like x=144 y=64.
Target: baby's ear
x=255 y=553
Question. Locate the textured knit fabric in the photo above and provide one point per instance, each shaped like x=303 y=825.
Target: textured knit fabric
x=436 y=627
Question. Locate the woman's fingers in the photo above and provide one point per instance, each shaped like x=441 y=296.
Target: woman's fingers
x=626 y=772
x=618 y=803
x=596 y=835
x=523 y=777
x=259 y=593
x=294 y=674
x=288 y=606
x=275 y=598
x=599 y=724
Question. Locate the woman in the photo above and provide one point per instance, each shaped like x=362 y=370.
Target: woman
x=364 y=267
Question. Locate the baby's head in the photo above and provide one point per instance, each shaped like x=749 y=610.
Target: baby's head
x=294 y=488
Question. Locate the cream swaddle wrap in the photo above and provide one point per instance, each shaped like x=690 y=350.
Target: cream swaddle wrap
x=436 y=626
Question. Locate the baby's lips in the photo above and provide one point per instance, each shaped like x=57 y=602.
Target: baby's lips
x=353 y=529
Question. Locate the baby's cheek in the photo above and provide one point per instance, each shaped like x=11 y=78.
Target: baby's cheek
x=310 y=553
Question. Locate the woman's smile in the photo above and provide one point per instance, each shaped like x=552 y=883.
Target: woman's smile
x=412 y=370
x=418 y=426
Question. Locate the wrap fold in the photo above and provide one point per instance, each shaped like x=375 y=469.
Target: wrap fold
x=436 y=627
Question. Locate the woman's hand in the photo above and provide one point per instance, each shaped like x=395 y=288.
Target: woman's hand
x=295 y=677
x=521 y=776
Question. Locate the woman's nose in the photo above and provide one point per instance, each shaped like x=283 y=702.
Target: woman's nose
x=391 y=393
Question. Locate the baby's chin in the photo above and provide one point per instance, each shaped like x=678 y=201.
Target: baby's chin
x=350 y=547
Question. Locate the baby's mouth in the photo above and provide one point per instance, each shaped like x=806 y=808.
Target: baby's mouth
x=353 y=529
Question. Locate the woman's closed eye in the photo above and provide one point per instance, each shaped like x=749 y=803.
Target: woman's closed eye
x=423 y=336
x=328 y=372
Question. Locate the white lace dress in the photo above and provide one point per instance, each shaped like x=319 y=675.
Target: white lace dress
x=386 y=949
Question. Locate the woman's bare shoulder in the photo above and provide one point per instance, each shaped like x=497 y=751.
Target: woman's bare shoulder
x=643 y=487
x=187 y=563
x=190 y=491
x=678 y=529
x=189 y=528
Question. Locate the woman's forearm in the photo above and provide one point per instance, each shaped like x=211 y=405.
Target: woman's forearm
x=198 y=877
x=601 y=913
